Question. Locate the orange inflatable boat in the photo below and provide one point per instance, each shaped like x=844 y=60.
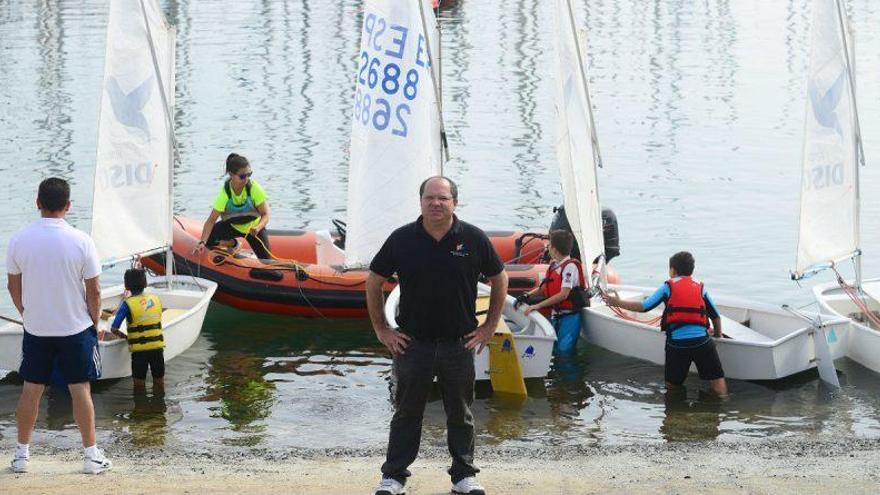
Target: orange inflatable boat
x=307 y=277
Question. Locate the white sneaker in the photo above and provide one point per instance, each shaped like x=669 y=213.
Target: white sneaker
x=468 y=486
x=97 y=464
x=19 y=464
x=390 y=486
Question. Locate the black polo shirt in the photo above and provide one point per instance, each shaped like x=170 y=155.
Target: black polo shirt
x=438 y=280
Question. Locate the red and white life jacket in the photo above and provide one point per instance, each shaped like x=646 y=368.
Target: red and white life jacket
x=685 y=305
x=553 y=281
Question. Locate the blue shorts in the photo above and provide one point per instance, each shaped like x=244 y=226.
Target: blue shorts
x=76 y=357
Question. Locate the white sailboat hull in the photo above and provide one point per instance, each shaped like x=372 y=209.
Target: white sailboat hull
x=185 y=306
x=767 y=343
x=533 y=336
x=863 y=344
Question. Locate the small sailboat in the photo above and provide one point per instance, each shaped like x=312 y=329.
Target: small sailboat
x=829 y=216
x=132 y=209
x=761 y=342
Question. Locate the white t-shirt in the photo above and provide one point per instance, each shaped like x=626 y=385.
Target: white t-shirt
x=570 y=276
x=53 y=259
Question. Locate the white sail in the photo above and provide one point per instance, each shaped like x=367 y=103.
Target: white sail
x=395 y=133
x=576 y=147
x=829 y=223
x=131 y=208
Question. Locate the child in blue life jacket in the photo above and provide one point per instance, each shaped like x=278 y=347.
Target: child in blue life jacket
x=143 y=313
x=563 y=288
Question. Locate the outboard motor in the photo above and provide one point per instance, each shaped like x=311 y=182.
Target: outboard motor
x=610 y=233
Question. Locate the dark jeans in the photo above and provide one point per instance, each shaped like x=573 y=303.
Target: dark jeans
x=414 y=373
x=224 y=231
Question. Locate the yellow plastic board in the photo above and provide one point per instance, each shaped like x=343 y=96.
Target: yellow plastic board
x=504 y=370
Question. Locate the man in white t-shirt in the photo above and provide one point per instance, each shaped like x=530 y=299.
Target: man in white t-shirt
x=53 y=274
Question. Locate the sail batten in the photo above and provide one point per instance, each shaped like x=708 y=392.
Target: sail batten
x=829 y=210
x=396 y=124
x=576 y=140
x=131 y=207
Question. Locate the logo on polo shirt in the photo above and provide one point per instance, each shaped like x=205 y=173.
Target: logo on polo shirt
x=459 y=250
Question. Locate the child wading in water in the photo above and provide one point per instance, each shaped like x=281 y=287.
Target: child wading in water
x=686 y=318
x=143 y=312
x=563 y=289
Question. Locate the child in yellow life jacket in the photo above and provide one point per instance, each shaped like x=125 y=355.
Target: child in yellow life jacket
x=563 y=290
x=143 y=312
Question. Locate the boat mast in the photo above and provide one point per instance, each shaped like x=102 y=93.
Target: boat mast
x=436 y=85
x=169 y=254
x=858 y=150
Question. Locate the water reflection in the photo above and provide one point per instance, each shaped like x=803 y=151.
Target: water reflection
x=505 y=418
x=567 y=388
x=526 y=48
x=236 y=382
x=54 y=100
x=796 y=29
x=148 y=423
x=455 y=64
x=178 y=15
x=686 y=420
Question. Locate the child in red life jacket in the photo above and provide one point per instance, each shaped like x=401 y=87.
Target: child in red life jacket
x=686 y=323
x=563 y=275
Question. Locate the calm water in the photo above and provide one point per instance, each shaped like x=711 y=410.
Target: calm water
x=699 y=109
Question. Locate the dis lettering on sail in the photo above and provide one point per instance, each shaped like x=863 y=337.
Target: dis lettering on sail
x=128 y=175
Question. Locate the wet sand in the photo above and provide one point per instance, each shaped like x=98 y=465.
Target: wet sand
x=842 y=466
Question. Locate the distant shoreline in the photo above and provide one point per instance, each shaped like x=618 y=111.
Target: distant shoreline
x=822 y=466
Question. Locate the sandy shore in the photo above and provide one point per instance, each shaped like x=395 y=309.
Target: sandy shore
x=844 y=466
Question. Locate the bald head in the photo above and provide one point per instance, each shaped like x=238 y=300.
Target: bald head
x=452 y=187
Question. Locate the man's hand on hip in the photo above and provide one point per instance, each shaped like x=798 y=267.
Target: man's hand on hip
x=480 y=337
x=395 y=341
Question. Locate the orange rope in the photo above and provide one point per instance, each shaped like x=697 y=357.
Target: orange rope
x=296 y=265
x=622 y=315
x=856 y=298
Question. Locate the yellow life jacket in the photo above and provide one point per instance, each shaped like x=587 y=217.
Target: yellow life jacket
x=144 y=323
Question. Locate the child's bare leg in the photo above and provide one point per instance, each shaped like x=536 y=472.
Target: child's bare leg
x=140 y=386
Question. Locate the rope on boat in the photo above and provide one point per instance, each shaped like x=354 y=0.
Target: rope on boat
x=855 y=297
x=288 y=265
x=229 y=257
x=625 y=316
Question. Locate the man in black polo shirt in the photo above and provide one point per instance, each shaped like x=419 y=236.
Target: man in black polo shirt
x=438 y=259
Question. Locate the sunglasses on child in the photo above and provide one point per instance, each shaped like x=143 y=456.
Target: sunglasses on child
x=245 y=176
